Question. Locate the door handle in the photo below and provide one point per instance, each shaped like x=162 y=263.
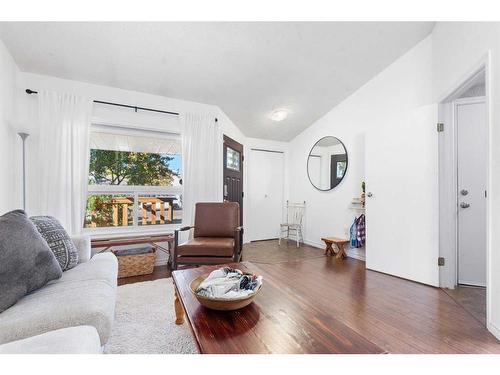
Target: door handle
x=464 y=205
x=369 y=194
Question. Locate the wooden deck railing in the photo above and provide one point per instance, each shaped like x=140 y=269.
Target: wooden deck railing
x=152 y=211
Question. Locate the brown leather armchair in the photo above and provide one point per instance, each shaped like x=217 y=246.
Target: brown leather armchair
x=217 y=237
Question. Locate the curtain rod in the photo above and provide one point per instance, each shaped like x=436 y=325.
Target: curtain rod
x=29 y=91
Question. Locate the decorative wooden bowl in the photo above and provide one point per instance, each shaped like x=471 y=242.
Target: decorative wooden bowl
x=221 y=304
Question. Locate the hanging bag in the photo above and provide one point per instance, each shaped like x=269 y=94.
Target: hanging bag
x=354 y=234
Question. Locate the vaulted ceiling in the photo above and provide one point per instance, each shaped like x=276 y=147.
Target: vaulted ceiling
x=247 y=69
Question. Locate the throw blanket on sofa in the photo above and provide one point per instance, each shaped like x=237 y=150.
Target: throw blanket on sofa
x=228 y=283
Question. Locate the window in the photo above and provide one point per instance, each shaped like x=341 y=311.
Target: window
x=134 y=178
x=232 y=159
x=341 y=165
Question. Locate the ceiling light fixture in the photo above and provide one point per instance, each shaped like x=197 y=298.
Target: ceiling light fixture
x=278 y=114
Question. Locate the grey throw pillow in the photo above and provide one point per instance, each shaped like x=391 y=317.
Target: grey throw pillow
x=58 y=239
x=26 y=261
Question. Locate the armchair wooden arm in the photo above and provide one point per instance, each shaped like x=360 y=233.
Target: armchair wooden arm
x=176 y=243
x=238 y=243
x=185 y=228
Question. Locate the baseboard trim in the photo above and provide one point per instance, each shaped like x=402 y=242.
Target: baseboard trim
x=355 y=256
x=319 y=245
x=161 y=262
x=495 y=331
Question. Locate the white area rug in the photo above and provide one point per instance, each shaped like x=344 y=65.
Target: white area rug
x=145 y=321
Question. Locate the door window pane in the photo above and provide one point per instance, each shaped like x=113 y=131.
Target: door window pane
x=233 y=159
x=341 y=169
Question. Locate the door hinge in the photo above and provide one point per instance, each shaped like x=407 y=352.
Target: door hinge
x=242 y=194
x=242 y=158
x=440 y=127
x=441 y=261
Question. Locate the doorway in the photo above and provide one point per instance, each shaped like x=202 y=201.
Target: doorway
x=470 y=122
x=464 y=166
x=233 y=172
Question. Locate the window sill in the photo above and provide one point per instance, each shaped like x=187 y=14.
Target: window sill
x=96 y=233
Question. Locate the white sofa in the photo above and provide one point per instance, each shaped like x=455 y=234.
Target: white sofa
x=72 y=340
x=84 y=296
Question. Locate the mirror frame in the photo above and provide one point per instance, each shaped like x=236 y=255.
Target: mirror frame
x=346 y=160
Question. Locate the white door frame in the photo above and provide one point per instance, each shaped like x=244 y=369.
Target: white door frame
x=455 y=104
x=448 y=181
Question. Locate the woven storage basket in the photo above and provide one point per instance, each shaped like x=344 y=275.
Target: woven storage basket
x=136 y=264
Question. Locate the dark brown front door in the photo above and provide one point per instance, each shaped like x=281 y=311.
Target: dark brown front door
x=233 y=173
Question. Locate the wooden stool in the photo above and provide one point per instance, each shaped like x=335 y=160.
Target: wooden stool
x=340 y=244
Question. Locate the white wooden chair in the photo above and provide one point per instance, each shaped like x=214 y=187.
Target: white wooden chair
x=293 y=224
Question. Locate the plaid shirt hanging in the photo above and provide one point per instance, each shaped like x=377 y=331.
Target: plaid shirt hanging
x=361 y=233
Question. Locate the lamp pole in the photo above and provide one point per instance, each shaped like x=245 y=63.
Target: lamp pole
x=23 y=137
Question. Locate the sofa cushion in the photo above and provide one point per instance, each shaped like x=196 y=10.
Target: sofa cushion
x=84 y=295
x=207 y=246
x=82 y=244
x=73 y=340
x=26 y=261
x=58 y=239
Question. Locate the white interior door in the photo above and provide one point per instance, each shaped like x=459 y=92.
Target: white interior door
x=265 y=194
x=402 y=226
x=470 y=117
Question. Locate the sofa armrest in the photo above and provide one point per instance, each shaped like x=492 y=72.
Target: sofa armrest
x=82 y=243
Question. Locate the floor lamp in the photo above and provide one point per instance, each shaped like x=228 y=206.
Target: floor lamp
x=23 y=137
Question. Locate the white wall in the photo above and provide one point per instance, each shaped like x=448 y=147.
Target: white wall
x=402 y=86
x=457 y=49
x=9 y=197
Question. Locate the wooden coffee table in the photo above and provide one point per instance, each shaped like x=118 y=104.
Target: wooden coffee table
x=278 y=321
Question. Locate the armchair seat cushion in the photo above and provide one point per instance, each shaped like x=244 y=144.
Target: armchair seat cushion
x=207 y=246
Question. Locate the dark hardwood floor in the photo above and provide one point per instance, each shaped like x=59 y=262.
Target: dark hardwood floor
x=472 y=299
x=270 y=252
x=256 y=252
x=397 y=315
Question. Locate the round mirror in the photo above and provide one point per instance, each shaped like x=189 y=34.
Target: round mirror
x=327 y=163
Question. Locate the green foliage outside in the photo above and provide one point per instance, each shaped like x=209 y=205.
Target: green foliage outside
x=130 y=168
x=99 y=210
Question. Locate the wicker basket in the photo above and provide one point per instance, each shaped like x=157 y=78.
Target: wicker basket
x=136 y=264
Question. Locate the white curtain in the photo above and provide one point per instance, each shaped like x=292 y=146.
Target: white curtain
x=201 y=161
x=64 y=157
